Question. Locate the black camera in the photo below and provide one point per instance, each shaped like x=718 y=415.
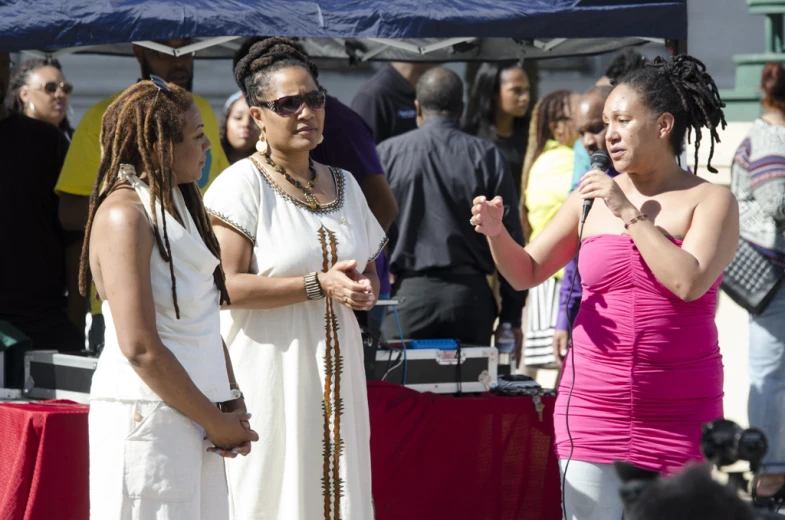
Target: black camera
x=724 y=443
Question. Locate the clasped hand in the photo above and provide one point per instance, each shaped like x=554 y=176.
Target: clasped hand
x=344 y=284
x=231 y=433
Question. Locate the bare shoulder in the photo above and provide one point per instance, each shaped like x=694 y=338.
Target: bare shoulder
x=122 y=216
x=715 y=195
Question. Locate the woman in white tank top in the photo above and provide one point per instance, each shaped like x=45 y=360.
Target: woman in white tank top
x=163 y=411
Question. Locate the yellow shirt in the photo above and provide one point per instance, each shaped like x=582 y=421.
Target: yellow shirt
x=550 y=179
x=84 y=153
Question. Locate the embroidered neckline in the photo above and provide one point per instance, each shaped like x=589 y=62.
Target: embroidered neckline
x=324 y=209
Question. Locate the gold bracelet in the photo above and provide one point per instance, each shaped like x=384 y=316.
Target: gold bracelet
x=642 y=216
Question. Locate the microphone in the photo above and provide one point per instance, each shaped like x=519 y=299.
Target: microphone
x=599 y=161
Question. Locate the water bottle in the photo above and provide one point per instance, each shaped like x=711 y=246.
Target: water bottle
x=505 y=343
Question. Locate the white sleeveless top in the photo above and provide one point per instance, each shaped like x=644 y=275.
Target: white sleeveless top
x=195 y=338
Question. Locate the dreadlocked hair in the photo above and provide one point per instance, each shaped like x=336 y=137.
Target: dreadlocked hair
x=265 y=56
x=139 y=118
x=551 y=108
x=624 y=63
x=22 y=76
x=681 y=87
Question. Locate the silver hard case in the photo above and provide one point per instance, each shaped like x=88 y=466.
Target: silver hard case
x=434 y=370
x=49 y=375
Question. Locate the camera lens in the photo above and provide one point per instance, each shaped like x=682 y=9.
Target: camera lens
x=725 y=442
x=718 y=442
x=752 y=446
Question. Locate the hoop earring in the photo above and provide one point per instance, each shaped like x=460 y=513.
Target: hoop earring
x=261 y=146
x=31 y=108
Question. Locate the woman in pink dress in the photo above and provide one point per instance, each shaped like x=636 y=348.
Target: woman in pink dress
x=645 y=371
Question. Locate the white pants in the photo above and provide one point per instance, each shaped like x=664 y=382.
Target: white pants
x=591 y=491
x=149 y=462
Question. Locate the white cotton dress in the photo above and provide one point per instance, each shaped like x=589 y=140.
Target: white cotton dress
x=299 y=366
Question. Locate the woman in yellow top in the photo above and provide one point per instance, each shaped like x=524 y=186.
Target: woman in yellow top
x=547 y=174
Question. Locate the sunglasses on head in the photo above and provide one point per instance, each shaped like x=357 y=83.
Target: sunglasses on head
x=290 y=105
x=160 y=84
x=51 y=87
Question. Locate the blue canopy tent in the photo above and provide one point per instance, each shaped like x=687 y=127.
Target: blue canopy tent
x=433 y=30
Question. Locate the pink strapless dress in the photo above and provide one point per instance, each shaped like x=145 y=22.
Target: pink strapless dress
x=648 y=369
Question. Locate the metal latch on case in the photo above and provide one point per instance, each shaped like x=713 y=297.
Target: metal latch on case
x=448 y=357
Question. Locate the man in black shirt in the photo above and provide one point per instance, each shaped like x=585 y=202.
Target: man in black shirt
x=32 y=258
x=440 y=263
x=386 y=101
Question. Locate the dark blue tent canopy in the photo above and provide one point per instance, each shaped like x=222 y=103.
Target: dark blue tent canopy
x=335 y=25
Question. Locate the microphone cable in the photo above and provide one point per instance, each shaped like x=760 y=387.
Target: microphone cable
x=600 y=160
x=571 y=350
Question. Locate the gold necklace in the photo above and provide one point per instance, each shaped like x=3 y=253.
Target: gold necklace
x=306 y=188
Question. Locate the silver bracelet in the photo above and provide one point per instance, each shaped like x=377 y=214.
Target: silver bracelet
x=312 y=287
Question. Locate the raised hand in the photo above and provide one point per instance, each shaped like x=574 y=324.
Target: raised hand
x=487 y=215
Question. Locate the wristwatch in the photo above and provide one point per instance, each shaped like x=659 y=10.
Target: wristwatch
x=236 y=393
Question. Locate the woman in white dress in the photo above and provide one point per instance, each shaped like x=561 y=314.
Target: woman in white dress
x=155 y=262
x=298 y=244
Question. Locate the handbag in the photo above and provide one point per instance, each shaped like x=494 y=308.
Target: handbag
x=751 y=280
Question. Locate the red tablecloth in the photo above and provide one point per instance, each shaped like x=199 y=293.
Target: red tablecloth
x=434 y=457
x=43 y=461
x=440 y=457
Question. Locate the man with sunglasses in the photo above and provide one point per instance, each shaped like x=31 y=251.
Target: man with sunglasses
x=84 y=155
x=32 y=257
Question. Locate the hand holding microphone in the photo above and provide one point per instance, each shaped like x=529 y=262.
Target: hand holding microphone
x=597 y=184
x=600 y=161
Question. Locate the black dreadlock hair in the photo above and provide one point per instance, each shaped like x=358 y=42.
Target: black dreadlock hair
x=681 y=87
x=263 y=57
x=624 y=63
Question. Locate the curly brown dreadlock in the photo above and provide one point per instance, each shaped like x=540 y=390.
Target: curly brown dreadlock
x=139 y=118
x=684 y=89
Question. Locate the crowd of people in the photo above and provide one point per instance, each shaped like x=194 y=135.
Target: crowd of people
x=229 y=266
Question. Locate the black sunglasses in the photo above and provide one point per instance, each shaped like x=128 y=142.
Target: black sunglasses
x=52 y=86
x=290 y=105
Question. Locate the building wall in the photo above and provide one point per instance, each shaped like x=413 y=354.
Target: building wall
x=718 y=29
